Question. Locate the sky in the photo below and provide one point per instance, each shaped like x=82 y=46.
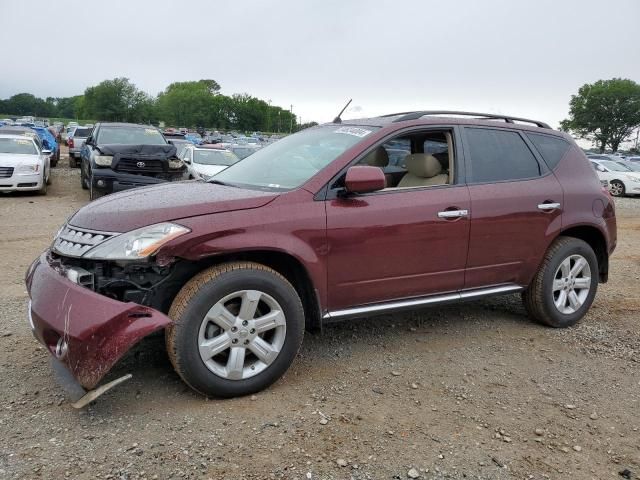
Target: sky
x=523 y=58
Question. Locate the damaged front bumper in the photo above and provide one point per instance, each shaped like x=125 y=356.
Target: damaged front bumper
x=84 y=331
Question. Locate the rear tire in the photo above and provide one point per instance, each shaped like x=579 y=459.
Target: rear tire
x=201 y=315
x=565 y=284
x=43 y=189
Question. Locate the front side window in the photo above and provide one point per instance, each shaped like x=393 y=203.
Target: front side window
x=292 y=161
x=417 y=159
x=19 y=146
x=499 y=155
x=130 y=136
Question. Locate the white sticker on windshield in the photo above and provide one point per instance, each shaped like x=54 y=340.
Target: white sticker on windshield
x=355 y=131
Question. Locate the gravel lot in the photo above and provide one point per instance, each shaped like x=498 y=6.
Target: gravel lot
x=467 y=391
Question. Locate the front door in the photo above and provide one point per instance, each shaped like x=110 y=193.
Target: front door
x=396 y=244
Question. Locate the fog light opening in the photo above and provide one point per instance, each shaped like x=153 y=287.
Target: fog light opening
x=61 y=348
x=101 y=183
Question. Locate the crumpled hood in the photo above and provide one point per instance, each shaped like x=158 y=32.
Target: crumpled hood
x=131 y=209
x=162 y=151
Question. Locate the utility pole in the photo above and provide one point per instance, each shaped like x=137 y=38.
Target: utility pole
x=269 y=116
x=291 y=117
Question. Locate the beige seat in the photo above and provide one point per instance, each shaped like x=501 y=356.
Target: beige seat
x=377 y=158
x=423 y=170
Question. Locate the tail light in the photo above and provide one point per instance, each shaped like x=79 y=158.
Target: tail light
x=70 y=142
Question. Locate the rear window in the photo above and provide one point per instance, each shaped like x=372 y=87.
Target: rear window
x=499 y=155
x=82 y=132
x=552 y=149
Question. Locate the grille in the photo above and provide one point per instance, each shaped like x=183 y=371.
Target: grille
x=6 y=172
x=75 y=242
x=131 y=165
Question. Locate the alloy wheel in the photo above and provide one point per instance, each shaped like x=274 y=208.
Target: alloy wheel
x=242 y=334
x=571 y=284
x=616 y=189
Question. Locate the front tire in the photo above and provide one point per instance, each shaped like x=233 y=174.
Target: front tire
x=83 y=176
x=616 y=188
x=565 y=285
x=237 y=329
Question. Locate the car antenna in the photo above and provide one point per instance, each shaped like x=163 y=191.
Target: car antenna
x=338 y=119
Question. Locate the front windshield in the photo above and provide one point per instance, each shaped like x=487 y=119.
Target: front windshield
x=214 y=157
x=615 y=167
x=292 y=161
x=20 y=146
x=130 y=136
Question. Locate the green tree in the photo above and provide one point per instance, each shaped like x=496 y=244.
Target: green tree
x=27 y=104
x=117 y=100
x=606 y=112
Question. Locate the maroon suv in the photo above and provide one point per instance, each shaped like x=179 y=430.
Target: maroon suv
x=342 y=220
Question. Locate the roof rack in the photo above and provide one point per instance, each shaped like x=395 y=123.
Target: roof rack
x=404 y=116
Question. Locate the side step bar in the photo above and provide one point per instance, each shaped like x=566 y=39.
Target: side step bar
x=410 y=303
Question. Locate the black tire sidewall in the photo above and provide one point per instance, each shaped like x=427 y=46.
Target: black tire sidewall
x=555 y=317
x=187 y=327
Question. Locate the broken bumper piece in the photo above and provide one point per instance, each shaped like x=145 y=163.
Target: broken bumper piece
x=86 y=332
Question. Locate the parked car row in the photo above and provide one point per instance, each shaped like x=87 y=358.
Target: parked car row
x=622 y=176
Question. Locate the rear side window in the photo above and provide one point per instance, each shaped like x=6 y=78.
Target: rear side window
x=498 y=155
x=552 y=149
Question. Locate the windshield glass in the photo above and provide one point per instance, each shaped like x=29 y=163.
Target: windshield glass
x=214 y=157
x=20 y=146
x=292 y=161
x=631 y=166
x=616 y=167
x=130 y=136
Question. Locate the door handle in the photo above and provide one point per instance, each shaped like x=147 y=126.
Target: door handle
x=453 y=214
x=548 y=206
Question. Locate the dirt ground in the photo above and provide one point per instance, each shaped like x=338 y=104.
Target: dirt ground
x=467 y=391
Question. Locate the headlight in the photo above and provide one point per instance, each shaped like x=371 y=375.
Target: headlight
x=175 y=163
x=28 y=169
x=103 y=160
x=137 y=244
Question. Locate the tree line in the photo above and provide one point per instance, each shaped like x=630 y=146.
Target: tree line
x=182 y=104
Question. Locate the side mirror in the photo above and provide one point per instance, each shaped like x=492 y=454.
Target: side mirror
x=601 y=168
x=46 y=153
x=364 y=179
x=187 y=161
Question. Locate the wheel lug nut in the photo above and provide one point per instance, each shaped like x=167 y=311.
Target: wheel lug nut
x=234 y=329
x=246 y=342
x=245 y=323
x=253 y=330
x=235 y=340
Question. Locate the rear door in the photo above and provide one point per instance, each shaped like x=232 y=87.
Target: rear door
x=516 y=207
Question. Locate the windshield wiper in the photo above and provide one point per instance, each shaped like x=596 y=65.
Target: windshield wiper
x=220 y=182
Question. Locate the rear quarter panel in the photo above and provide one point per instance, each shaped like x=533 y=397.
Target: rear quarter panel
x=583 y=193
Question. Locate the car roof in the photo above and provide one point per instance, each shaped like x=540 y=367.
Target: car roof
x=122 y=124
x=438 y=117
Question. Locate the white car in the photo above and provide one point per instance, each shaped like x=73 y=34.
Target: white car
x=23 y=165
x=203 y=163
x=622 y=179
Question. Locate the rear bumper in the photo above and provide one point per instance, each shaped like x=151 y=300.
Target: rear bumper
x=21 y=183
x=85 y=331
x=107 y=181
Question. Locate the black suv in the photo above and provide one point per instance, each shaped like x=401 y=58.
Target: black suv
x=119 y=156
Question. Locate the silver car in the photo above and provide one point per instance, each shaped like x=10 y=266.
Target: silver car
x=23 y=164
